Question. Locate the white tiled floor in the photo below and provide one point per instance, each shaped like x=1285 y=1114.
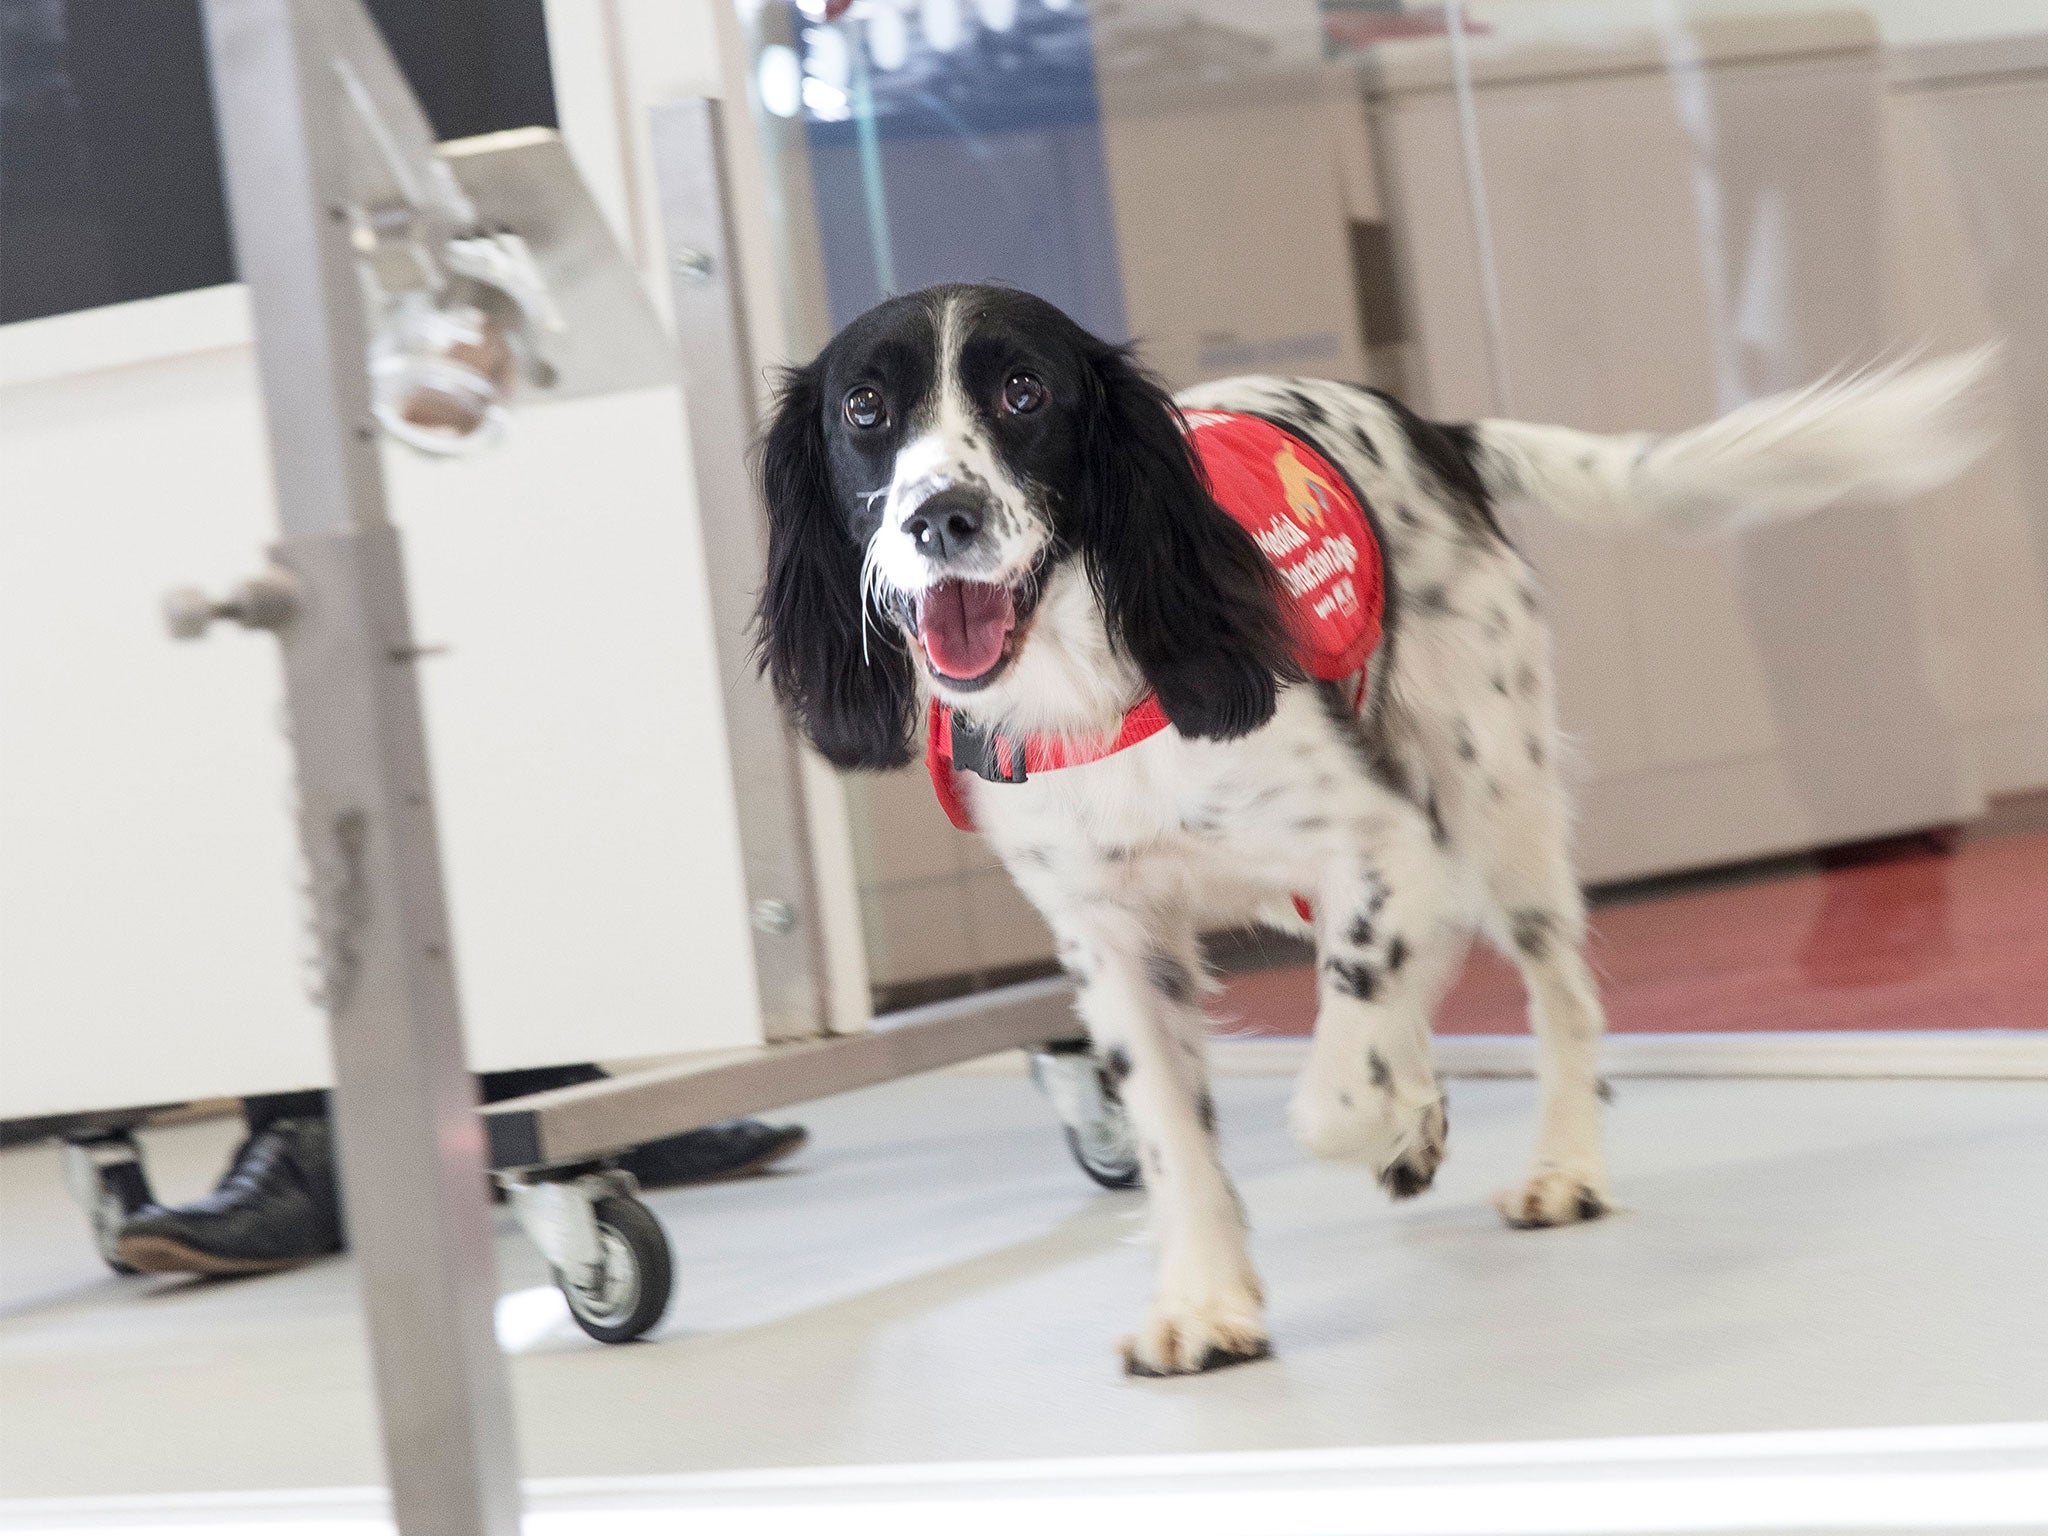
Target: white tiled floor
x=932 y=1280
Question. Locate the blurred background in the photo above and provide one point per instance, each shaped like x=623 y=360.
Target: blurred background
x=1812 y=764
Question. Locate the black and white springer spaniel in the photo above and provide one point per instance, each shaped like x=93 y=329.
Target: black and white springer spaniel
x=974 y=501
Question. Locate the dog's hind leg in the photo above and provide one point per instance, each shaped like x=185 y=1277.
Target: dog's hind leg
x=1539 y=920
x=1386 y=950
x=1141 y=998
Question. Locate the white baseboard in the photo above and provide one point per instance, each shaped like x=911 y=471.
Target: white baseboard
x=1979 y=1053
x=1937 y=1478
x=1821 y=1053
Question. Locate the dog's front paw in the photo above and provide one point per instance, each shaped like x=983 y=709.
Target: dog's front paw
x=1181 y=1340
x=1554 y=1197
x=1396 y=1130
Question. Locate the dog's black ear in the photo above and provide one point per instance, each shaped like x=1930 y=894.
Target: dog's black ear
x=855 y=701
x=1186 y=593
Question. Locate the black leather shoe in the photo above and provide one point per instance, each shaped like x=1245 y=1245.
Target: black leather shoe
x=277 y=1206
x=724 y=1151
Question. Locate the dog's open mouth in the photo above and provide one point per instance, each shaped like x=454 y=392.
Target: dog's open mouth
x=966 y=628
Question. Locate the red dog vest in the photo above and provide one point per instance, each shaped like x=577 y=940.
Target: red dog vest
x=1307 y=520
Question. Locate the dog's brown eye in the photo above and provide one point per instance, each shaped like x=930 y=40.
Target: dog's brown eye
x=1023 y=393
x=866 y=409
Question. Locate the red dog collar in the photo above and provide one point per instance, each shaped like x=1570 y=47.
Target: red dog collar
x=954 y=746
x=1307 y=520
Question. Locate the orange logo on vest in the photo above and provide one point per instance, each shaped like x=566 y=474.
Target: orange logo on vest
x=1308 y=495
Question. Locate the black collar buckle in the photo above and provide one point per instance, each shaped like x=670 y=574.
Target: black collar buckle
x=987 y=754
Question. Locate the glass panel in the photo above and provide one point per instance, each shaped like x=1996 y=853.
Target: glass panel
x=1807 y=756
x=1618 y=215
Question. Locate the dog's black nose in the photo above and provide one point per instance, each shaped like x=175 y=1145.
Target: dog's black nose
x=947 y=524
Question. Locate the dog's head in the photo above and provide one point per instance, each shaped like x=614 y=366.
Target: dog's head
x=966 y=484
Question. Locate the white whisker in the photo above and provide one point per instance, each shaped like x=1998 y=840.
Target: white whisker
x=870 y=578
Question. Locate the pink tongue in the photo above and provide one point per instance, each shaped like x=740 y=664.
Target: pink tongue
x=963 y=625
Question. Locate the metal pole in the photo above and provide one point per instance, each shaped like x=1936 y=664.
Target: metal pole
x=411 y=1144
x=1481 y=208
x=719 y=390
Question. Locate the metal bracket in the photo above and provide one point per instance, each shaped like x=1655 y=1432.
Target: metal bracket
x=105 y=1176
x=559 y=1217
x=85 y=1159
x=1099 y=1131
x=1073 y=1083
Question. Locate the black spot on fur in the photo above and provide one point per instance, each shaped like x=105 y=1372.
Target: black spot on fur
x=1358 y=739
x=1311 y=823
x=1360 y=931
x=1435 y=812
x=1344 y=1099
x=1451 y=454
x=1205 y=1110
x=1397 y=954
x=1405 y=516
x=1118 y=854
x=1037 y=858
x=1433 y=599
x=1606 y=1091
x=1170 y=976
x=1534 y=929
x=1382 y=1074
x=1535 y=750
x=1116 y=1065
x=1494 y=789
x=1354 y=978
x=1305 y=406
x=1528 y=596
x=1467 y=752
x=1388 y=772
x=1500 y=685
x=1365 y=444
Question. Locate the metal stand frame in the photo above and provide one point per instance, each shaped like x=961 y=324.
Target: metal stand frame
x=290 y=81
x=411 y=1147
x=719 y=389
x=568 y=1126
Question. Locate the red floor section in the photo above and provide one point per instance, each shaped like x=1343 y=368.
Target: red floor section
x=1924 y=941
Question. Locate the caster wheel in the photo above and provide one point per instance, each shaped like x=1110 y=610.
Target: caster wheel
x=1097 y=1126
x=1105 y=1154
x=635 y=1277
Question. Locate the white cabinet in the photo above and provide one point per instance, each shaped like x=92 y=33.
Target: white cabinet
x=1671 y=236
x=149 y=947
x=1967 y=123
